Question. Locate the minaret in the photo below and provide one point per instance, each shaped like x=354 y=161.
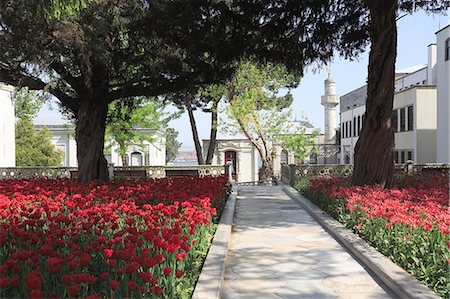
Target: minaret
x=330 y=100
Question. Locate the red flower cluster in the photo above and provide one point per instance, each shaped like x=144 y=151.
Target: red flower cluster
x=122 y=239
x=409 y=224
x=421 y=201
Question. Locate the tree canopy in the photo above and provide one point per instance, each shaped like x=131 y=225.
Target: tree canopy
x=125 y=117
x=257 y=108
x=110 y=51
x=27 y=103
x=115 y=50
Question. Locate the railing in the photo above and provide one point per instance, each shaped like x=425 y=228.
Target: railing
x=291 y=173
x=153 y=172
x=30 y=172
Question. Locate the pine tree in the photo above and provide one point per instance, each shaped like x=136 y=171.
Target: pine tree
x=34 y=148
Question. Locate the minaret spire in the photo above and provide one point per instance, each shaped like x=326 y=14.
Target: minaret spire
x=330 y=100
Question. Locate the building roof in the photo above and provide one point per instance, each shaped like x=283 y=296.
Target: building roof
x=409 y=70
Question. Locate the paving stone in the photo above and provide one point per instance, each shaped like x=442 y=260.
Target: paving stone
x=278 y=251
x=256 y=285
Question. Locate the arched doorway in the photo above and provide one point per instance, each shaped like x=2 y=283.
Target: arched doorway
x=136 y=159
x=230 y=156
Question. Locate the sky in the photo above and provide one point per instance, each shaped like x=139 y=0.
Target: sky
x=415 y=33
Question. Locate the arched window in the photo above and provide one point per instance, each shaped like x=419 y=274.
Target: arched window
x=447 y=49
x=136 y=159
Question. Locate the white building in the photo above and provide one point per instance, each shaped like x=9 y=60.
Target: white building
x=418 y=90
x=149 y=154
x=240 y=153
x=7 y=128
x=443 y=95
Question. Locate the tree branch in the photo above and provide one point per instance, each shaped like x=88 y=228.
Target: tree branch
x=18 y=79
x=74 y=82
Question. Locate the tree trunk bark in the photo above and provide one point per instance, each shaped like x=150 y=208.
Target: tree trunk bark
x=123 y=154
x=90 y=137
x=213 y=135
x=198 y=146
x=124 y=160
x=374 y=163
x=266 y=172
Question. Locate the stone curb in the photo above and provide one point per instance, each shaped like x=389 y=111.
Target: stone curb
x=209 y=284
x=400 y=282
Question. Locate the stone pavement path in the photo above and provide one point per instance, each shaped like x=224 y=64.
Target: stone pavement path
x=279 y=251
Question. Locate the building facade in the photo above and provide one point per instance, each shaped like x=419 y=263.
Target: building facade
x=240 y=153
x=7 y=127
x=443 y=95
x=148 y=154
x=420 y=111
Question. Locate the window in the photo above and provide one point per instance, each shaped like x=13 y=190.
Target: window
x=350 y=129
x=402 y=120
x=402 y=157
x=409 y=155
x=346 y=129
x=396 y=157
x=136 y=159
x=395 y=120
x=410 y=118
x=359 y=124
x=354 y=127
x=447 y=49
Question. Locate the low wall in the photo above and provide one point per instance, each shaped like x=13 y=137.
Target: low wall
x=153 y=172
x=291 y=173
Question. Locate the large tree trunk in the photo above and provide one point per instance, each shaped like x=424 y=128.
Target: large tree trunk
x=374 y=163
x=213 y=135
x=266 y=172
x=90 y=137
x=198 y=147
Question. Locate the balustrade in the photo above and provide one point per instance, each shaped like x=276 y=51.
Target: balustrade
x=153 y=172
x=291 y=173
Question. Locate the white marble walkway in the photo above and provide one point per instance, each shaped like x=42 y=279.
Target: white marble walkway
x=279 y=251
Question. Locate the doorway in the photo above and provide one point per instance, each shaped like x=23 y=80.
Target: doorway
x=230 y=156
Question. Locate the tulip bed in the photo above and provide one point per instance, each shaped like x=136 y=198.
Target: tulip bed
x=130 y=238
x=409 y=224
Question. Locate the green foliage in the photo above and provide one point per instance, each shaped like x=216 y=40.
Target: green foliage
x=35 y=148
x=256 y=108
x=172 y=144
x=28 y=103
x=301 y=185
x=299 y=142
x=125 y=117
x=58 y=8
